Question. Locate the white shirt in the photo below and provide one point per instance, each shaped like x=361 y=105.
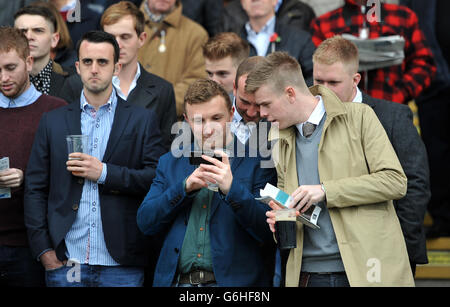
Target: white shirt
x=238 y=126
x=315 y=117
x=261 y=40
x=116 y=83
x=358 y=96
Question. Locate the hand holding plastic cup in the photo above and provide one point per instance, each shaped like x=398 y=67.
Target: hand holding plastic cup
x=77 y=143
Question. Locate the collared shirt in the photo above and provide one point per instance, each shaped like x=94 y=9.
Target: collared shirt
x=315 y=117
x=42 y=80
x=26 y=98
x=261 y=40
x=358 y=96
x=195 y=253
x=277 y=6
x=116 y=83
x=85 y=240
x=238 y=126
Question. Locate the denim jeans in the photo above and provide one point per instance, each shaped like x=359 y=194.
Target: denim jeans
x=327 y=280
x=76 y=275
x=19 y=269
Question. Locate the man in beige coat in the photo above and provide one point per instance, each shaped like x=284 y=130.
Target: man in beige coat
x=348 y=167
x=173 y=50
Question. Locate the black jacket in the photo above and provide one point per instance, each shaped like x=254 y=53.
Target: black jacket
x=296 y=42
x=397 y=121
x=151 y=92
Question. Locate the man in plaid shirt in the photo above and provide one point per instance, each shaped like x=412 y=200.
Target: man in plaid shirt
x=399 y=83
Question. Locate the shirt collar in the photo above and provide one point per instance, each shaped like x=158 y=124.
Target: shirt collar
x=316 y=116
x=358 y=96
x=110 y=103
x=268 y=28
x=116 y=83
x=236 y=116
x=29 y=96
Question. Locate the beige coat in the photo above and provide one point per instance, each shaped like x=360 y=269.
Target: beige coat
x=361 y=175
x=182 y=63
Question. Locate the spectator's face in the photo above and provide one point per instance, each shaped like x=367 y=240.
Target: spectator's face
x=96 y=66
x=39 y=33
x=245 y=102
x=127 y=38
x=222 y=71
x=160 y=6
x=14 y=73
x=337 y=78
x=208 y=122
x=277 y=107
x=259 y=8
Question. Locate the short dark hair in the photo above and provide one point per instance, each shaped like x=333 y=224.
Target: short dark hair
x=38 y=10
x=100 y=37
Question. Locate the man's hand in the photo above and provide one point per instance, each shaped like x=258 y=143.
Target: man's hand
x=85 y=166
x=219 y=172
x=195 y=181
x=11 y=178
x=271 y=215
x=306 y=195
x=50 y=261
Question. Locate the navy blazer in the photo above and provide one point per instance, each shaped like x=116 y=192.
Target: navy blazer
x=52 y=194
x=242 y=246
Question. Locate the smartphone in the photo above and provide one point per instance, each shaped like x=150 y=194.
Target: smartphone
x=196 y=157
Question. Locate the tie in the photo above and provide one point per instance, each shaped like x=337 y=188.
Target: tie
x=308 y=129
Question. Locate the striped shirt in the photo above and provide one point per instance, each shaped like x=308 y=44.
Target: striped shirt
x=85 y=240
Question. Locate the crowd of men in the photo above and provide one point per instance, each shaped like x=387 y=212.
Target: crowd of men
x=271 y=91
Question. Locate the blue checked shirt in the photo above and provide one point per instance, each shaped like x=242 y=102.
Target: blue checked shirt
x=85 y=240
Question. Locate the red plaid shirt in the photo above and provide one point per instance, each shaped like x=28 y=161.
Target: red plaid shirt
x=399 y=83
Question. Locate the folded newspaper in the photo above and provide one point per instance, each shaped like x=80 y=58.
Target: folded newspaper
x=4 y=165
x=378 y=52
x=282 y=199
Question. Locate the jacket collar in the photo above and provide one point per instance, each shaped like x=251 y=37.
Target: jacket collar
x=333 y=107
x=174 y=17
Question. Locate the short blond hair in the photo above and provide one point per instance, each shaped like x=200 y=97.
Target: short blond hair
x=278 y=70
x=226 y=44
x=121 y=9
x=203 y=90
x=338 y=49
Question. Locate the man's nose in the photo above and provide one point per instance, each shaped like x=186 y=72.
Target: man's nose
x=253 y=111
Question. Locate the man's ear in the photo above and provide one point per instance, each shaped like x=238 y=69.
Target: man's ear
x=55 y=40
x=356 y=79
x=29 y=63
x=290 y=94
x=142 y=38
x=77 y=66
x=117 y=68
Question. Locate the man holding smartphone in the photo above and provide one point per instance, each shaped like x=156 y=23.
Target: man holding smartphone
x=210 y=236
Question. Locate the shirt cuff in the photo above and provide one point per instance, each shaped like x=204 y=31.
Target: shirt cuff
x=102 y=178
x=45 y=250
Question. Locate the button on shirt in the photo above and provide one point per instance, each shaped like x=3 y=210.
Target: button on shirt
x=85 y=240
x=116 y=84
x=315 y=117
x=261 y=40
x=26 y=98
